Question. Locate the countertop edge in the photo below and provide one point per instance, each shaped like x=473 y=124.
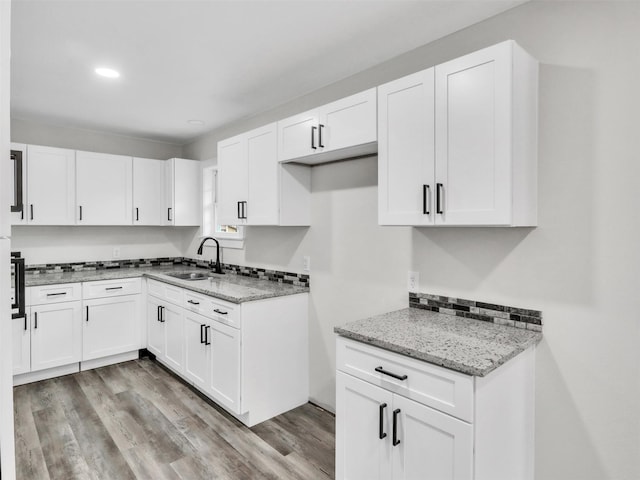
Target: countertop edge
x=436 y=360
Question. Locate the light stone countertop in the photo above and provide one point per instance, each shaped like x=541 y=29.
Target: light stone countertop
x=465 y=345
x=230 y=287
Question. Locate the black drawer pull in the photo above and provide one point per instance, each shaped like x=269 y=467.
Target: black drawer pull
x=220 y=311
x=113 y=288
x=396 y=442
x=381 y=433
x=56 y=294
x=394 y=375
x=87 y=307
x=193 y=302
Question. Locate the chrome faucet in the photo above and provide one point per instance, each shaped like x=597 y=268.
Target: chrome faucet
x=218 y=267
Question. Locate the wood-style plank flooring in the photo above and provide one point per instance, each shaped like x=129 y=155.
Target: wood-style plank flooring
x=135 y=420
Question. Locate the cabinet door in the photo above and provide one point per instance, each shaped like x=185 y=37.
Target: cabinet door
x=433 y=445
x=263 y=177
x=406 y=150
x=232 y=180
x=348 y=122
x=362 y=417
x=173 y=321
x=148 y=191
x=155 y=327
x=197 y=362
x=18 y=192
x=104 y=186
x=51 y=189
x=298 y=136
x=168 y=214
x=21 y=344
x=56 y=335
x=224 y=382
x=187 y=190
x=473 y=138
x=111 y=326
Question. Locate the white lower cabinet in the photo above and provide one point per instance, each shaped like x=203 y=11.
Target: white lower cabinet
x=389 y=424
x=22 y=344
x=56 y=333
x=250 y=358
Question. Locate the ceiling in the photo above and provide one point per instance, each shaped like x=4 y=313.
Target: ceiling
x=215 y=61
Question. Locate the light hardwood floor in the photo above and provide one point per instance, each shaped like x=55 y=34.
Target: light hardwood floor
x=136 y=420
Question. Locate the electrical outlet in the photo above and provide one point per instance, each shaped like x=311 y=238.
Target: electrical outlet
x=413 y=280
x=306 y=263
x=116 y=252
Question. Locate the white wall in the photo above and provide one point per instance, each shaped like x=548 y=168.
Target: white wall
x=72 y=244
x=580 y=266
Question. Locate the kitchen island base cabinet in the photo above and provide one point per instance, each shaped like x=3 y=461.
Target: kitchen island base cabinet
x=383 y=434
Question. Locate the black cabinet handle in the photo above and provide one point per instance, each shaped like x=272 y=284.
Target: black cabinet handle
x=31 y=211
x=439 y=195
x=16 y=157
x=202 y=340
x=87 y=307
x=193 y=302
x=320 y=127
x=158 y=314
x=244 y=210
x=394 y=375
x=239 y=214
x=395 y=442
x=113 y=288
x=162 y=320
x=169 y=214
x=137 y=214
x=381 y=433
x=426 y=195
x=56 y=294
x=35 y=319
x=313 y=137
x=25 y=323
x=206 y=335
x=220 y=311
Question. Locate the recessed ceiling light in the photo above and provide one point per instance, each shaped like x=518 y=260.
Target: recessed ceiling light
x=107 y=72
x=195 y=122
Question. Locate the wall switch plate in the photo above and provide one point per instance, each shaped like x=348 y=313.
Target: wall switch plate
x=412 y=281
x=306 y=263
x=116 y=252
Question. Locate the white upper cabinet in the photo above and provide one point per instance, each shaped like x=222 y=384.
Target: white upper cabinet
x=254 y=189
x=406 y=163
x=104 y=189
x=341 y=129
x=484 y=143
x=233 y=180
x=183 y=192
x=51 y=189
x=148 y=191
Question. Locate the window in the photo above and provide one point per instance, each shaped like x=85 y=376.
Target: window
x=230 y=236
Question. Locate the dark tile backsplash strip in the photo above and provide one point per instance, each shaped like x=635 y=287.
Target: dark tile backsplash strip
x=259 y=273
x=487 y=312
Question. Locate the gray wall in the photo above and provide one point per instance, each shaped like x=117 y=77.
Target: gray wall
x=580 y=266
x=70 y=244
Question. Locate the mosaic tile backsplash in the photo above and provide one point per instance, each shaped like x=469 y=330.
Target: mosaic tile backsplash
x=487 y=312
x=259 y=273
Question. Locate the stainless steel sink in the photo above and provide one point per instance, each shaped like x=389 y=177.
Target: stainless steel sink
x=190 y=275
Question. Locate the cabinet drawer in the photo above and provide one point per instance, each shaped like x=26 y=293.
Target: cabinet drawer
x=445 y=390
x=165 y=292
x=213 y=308
x=64 y=292
x=111 y=288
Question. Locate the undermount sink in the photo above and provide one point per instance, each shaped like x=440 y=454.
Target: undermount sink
x=190 y=275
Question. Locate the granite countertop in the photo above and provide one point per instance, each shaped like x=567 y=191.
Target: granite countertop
x=465 y=345
x=230 y=287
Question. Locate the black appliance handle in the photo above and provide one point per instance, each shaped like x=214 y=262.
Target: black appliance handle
x=18 y=277
x=18 y=206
